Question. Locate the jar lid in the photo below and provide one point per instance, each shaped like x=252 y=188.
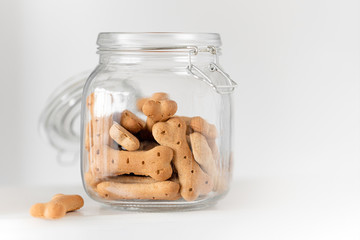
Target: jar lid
x=154 y=40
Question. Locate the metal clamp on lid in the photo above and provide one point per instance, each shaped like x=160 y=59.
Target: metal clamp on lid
x=213 y=67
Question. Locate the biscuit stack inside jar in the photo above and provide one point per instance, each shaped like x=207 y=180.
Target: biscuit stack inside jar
x=166 y=157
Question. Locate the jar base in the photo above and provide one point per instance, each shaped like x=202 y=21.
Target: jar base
x=163 y=206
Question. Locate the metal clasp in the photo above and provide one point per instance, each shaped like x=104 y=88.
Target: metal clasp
x=195 y=71
x=213 y=67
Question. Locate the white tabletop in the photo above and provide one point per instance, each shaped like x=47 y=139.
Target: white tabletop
x=255 y=208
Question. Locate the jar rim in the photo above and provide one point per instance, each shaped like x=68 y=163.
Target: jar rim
x=154 y=40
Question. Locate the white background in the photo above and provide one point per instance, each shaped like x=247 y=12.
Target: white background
x=296 y=111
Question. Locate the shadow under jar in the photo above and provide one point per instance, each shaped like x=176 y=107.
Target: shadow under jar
x=156 y=122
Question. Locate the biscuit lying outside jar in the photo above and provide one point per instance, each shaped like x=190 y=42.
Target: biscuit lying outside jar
x=59 y=205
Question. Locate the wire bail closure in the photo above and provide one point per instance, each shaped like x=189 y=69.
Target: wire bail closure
x=194 y=70
x=213 y=67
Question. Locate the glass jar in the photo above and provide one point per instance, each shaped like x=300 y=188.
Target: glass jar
x=156 y=122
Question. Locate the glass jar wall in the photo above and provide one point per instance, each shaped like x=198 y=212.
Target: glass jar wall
x=156 y=122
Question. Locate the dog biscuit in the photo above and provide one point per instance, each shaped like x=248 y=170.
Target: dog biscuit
x=88 y=133
x=202 y=153
x=155 y=163
x=90 y=180
x=94 y=181
x=123 y=137
x=159 y=110
x=193 y=180
x=131 y=122
x=187 y=121
x=156 y=96
x=165 y=190
x=59 y=205
x=198 y=124
x=98 y=104
x=131 y=179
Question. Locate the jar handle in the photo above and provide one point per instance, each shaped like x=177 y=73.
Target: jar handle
x=59 y=122
x=222 y=89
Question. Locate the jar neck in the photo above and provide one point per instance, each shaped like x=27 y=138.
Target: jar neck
x=155 y=59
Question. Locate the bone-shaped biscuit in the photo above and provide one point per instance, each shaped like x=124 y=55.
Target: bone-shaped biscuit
x=59 y=205
x=123 y=137
x=159 y=110
x=156 y=96
x=202 y=153
x=187 y=121
x=97 y=132
x=88 y=136
x=214 y=149
x=193 y=180
x=97 y=129
x=131 y=122
x=92 y=181
x=90 y=102
x=106 y=162
x=165 y=190
x=149 y=124
x=198 y=124
x=99 y=103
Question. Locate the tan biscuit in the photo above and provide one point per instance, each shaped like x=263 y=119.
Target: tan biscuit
x=149 y=124
x=131 y=122
x=193 y=180
x=140 y=103
x=97 y=133
x=97 y=129
x=165 y=190
x=189 y=141
x=187 y=121
x=155 y=163
x=90 y=101
x=100 y=134
x=123 y=137
x=90 y=180
x=156 y=96
x=59 y=205
x=88 y=136
x=216 y=155
x=159 y=110
x=98 y=104
x=198 y=124
x=202 y=153
x=131 y=179
x=214 y=149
